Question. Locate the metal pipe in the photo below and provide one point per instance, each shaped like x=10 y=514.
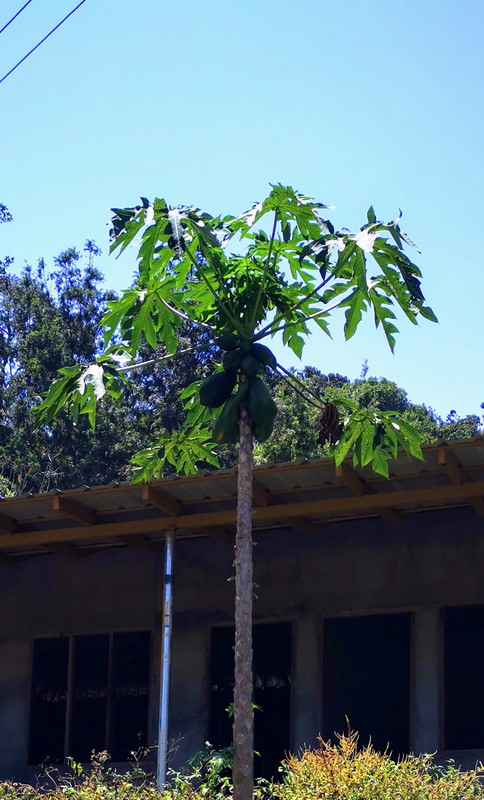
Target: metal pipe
x=165 y=660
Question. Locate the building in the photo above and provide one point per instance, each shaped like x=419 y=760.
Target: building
x=370 y=606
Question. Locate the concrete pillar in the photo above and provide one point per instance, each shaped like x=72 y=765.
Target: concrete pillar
x=425 y=707
x=307 y=681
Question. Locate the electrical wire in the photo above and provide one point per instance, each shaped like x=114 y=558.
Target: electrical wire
x=15 y=16
x=42 y=41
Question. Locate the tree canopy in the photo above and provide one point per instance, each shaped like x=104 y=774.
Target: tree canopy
x=288 y=269
x=50 y=316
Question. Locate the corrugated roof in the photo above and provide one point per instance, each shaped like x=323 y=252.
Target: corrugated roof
x=301 y=495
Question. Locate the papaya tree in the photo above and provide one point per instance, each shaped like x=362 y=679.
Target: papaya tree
x=278 y=268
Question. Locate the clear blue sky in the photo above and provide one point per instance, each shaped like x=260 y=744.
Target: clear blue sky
x=355 y=102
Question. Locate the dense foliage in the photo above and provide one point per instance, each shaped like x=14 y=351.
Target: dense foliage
x=52 y=317
x=49 y=317
x=296 y=425
x=339 y=771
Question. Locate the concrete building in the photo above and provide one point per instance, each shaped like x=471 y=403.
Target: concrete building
x=370 y=606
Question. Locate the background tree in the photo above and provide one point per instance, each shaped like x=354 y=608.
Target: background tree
x=50 y=317
x=296 y=424
x=299 y=272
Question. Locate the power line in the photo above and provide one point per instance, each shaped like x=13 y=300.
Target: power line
x=15 y=16
x=42 y=41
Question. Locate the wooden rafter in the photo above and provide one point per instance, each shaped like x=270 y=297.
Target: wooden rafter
x=222 y=535
x=360 y=487
x=457 y=474
x=264 y=498
x=7 y=525
x=260 y=494
x=367 y=504
x=162 y=500
x=73 y=510
x=66 y=550
x=140 y=543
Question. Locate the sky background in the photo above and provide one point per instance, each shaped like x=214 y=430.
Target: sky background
x=354 y=102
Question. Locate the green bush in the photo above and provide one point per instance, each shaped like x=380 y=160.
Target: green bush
x=331 y=772
x=346 y=772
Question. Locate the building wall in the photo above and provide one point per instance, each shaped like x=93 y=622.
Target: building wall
x=362 y=567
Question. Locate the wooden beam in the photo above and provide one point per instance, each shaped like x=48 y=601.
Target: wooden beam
x=359 y=487
x=346 y=506
x=453 y=468
x=260 y=495
x=162 y=500
x=73 y=510
x=221 y=535
x=140 y=543
x=347 y=475
x=7 y=525
x=66 y=550
x=457 y=474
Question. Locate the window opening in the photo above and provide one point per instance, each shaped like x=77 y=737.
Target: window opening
x=272 y=692
x=464 y=678
x=367 y=679
x=108 y=696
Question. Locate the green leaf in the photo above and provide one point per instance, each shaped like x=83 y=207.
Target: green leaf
x=383 y=315
x=379 y=462
x=355 y=305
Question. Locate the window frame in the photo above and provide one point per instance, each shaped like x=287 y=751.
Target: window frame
x=68 y=720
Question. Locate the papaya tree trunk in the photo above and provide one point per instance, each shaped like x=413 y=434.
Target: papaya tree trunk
x=243 y=730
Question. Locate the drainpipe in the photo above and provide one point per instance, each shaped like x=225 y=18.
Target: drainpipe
x=165 y=660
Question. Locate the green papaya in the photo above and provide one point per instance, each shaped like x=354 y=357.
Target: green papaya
x=245 y=346
x=264 y=355
x=250 y=366
x=232 y=360
x=226 y=341
x=217 y=388
x=262 y=409
x=225 y=428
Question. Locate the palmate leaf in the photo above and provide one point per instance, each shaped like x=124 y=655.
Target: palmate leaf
x=384 y=315
x=60 y=394
x=374 y=438
x=295 y=269
x=184 y=450
x=356 y=306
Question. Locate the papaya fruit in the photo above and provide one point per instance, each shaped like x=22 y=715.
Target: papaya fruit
x=264 y=355
x=225 y=428
x=226 y=341
x=250 y=366
x=232 y=360
x=216 y=389
x=262 y=409
x=245 y=346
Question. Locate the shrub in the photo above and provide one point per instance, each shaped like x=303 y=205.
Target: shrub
x=331 y=772
x=345 y=772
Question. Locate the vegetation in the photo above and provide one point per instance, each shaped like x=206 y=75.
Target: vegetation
x=300 y=271
x=52 y=316
x=340 y=771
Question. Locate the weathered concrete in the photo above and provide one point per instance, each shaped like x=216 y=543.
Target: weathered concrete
x=366 y=566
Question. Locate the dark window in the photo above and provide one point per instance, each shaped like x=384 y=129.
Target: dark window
x=90 y=696
x=107 y=703
x=272 y=692
x=367 y=679
x=464 y=677
x=49 y=700
x=130 y=690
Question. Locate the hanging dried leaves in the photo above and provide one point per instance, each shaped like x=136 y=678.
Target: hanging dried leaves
x=329 y=425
